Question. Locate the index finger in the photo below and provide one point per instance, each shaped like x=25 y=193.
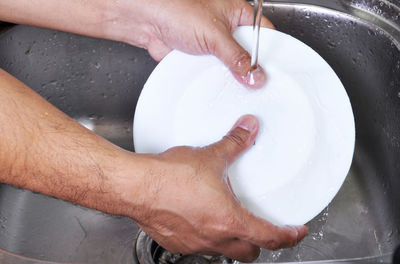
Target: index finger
x=266 y=235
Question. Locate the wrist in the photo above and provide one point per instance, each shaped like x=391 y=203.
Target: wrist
x=129 y=179
x=128 y=21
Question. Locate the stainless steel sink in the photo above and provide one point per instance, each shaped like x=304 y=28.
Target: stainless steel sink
x=98 y=82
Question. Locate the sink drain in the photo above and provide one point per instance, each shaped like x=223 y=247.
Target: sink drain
x=149 y=252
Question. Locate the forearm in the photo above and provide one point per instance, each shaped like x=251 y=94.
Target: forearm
x=44 y=150
x=95 y=18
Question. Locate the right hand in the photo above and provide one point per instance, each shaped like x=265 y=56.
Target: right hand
x=188 y=205
x=181 y=197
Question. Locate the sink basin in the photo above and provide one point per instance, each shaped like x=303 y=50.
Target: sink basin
x=97 y=82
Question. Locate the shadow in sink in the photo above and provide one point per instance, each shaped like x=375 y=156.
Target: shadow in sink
x=98 y=82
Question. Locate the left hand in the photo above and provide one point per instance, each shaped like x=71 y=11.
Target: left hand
x=195 y=27
x=192 y=26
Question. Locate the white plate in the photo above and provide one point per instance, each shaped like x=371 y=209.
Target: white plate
x=306 y=140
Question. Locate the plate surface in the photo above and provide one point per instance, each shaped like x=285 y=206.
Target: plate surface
x=305 y=145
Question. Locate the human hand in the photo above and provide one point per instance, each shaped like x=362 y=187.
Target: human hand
x=189 y=207
x=181 y=197
x=195 y=27
x=192 y=26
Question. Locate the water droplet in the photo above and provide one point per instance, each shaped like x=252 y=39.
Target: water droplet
x=371 y=32
x=275 y=255
x=92 y=117
x=332 y=44
x=318 y=236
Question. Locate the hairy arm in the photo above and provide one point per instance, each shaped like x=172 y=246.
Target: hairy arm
x=44 y=150
x=76 y=16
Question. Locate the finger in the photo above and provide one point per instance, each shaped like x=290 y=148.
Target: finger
x=238 y=60
x=264 y=234
x=265 y=22
x=239 y=138
x=157 y=49
x=240 y=250
x=247 y=17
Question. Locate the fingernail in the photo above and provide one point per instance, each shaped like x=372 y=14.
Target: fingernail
x=247 y=122
x=255 y=78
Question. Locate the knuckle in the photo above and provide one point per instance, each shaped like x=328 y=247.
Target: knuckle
x=284 y=238
x=227 y=228
x=272 y=244
x=290 y=237
x=240 y=60
x=239 y=136
x=222 y=229
x=245 y=9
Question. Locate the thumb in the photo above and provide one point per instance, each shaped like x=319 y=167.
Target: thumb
x=239 y=61
x=239 y=139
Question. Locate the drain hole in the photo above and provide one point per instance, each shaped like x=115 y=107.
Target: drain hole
x=149 y=252
x=162 y=256
x=192 y=259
